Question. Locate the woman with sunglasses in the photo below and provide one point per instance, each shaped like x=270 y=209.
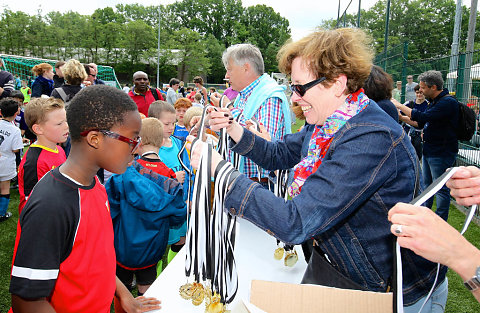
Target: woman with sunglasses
x=352 y=162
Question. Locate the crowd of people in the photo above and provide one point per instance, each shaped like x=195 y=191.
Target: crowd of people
x=108 y=165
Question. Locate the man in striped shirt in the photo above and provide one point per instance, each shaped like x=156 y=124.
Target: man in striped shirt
x=260 y=98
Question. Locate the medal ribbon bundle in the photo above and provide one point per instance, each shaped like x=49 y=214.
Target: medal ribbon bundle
x=210 y=237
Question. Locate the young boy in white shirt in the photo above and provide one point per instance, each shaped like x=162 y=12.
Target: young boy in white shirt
x=10 y=143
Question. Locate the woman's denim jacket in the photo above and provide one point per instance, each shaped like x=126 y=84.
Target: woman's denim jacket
x=369 y=167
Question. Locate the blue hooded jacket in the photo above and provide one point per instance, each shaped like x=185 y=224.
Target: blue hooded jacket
x=143 y=205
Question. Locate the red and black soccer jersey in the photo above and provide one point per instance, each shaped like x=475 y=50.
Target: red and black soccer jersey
x=64 y=247
x=35 y=163
x=157 y=166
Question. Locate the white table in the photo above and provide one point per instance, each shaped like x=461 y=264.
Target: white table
x=254 y=258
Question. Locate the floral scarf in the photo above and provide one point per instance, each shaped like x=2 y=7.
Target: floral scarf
x=322 y=137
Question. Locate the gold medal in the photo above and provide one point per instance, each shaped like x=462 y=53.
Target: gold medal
x=215 y=306
x=278 y=254
x=291 y=258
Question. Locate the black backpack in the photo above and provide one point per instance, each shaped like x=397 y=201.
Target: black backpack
x=466 y=122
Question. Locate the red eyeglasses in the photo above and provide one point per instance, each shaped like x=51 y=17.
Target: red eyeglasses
x=134 y=143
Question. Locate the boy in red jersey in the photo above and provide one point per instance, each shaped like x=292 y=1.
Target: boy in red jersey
x=144 y=204
x=46 y=117
x=64 y=259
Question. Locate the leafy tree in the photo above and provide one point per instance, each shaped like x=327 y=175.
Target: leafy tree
x=191 y=55
x=214 y=54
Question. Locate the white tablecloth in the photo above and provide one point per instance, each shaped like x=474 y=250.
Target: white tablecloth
x=254 y=258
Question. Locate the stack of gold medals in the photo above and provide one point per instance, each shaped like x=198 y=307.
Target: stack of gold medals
x=210 y=265
x=280 y=190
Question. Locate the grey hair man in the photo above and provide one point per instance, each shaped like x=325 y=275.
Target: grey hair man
x=439 y=122
x=260 y=98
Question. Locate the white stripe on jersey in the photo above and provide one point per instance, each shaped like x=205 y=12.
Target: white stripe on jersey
x=34 y=274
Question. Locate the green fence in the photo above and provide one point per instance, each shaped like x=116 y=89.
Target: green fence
x=461 y=74
x=22 y=67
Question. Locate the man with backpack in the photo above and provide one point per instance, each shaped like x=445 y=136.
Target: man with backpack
x=440 y=123
x=142 y=93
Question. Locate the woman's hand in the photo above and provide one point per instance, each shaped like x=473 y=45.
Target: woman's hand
x=222 y=118
x=196 y=154
x=262 y=132
x=465 y=185
x=425 y=233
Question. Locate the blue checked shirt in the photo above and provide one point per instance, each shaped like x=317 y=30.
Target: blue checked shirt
x=269 y=114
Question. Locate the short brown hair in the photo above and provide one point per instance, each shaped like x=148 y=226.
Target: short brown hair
x=41 y=68
x=158 y=107
x=182 y=103
x=38 y=108
x=191 y=112
x=198 y=96
x=379 y=84
x=152 y=132
x=198 y=79
x=59 y=64
x=330 y=53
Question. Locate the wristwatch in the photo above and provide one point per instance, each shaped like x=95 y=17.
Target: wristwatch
x=474 y=283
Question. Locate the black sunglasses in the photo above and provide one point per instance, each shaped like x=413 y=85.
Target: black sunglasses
x=302 y=89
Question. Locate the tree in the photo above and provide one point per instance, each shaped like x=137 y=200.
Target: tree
x=268 y=30
x=191 y=56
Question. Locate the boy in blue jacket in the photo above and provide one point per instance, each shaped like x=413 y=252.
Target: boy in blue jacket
x=145 y=202
x=168 y=153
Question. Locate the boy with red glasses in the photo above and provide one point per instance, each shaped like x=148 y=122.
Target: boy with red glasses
x=144 y=202
x=64 y=259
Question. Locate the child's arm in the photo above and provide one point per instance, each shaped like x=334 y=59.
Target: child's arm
x=41 y=305
x=134 y=305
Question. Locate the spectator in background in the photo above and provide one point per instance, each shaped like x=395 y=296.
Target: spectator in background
x=91 y=75
x=181 y=106
x=440 y=143
x=409 y=89
x=74 y=73
x=200 y=89
x=7 y=82
x=18 y=83
x=397 y=92
x=181 y=90
x=27 y=92
x=172 y=94
x=142 y=93
x=58 y=79
x=378 y=87
x=97 y=80
x=126 y=88
x=196 y=100
x=43 y=84
x=230 y=93
x=411 y=127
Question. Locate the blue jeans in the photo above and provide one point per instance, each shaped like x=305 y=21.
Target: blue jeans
x=434 y=167
x=436 y=303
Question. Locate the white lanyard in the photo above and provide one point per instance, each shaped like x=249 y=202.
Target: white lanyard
x=424 y=196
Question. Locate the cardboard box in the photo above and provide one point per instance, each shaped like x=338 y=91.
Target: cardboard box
x=273 y=297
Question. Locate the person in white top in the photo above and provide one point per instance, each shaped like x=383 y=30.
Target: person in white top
x=10 y=143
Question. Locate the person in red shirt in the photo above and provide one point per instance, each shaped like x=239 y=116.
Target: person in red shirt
x=142 y=93
x=64 y=258
x=47 y=118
